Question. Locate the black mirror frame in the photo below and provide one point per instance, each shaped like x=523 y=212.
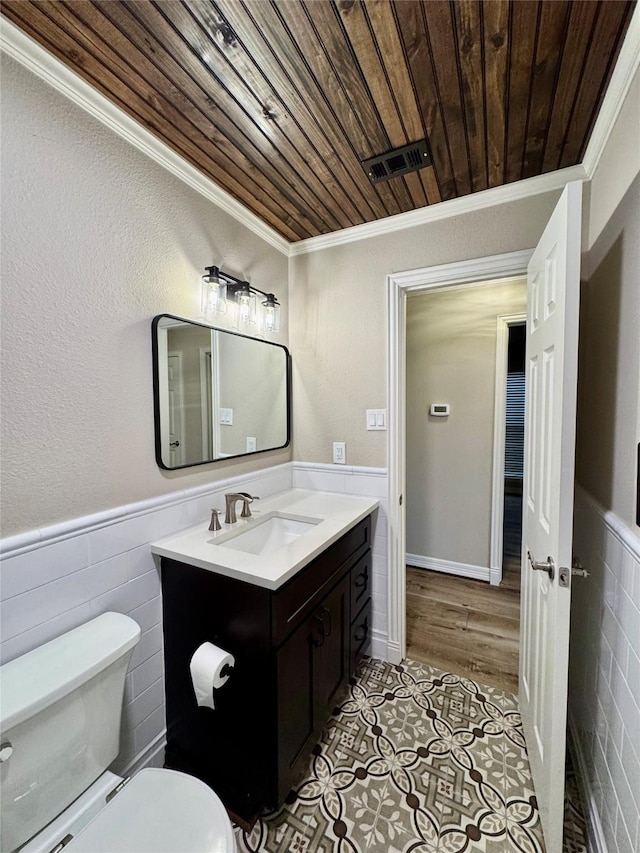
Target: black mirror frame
x=156 y=392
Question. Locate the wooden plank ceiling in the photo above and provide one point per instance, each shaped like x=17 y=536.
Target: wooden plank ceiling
x=279 y=101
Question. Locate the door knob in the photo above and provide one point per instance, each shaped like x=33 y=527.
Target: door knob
x=548 y=566
x=174 y=444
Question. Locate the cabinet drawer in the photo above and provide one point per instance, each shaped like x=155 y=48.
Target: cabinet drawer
x=360 y=637
x=292 y=603
x=360 y=583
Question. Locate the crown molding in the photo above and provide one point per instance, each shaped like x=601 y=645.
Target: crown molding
x=444 y=210
x=43 y=64
x=622 y=77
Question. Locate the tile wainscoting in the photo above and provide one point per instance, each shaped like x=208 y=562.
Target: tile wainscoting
x=604 y=675
x=56 y=578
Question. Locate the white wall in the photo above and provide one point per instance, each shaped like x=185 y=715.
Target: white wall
x=96 y=240
x=451 y=358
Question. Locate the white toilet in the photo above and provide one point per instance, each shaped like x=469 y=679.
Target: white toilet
x=60 y=709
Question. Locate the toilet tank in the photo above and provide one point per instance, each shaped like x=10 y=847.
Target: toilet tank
x=60 y=709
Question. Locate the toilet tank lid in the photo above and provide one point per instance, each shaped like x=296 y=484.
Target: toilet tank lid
x=48 y=673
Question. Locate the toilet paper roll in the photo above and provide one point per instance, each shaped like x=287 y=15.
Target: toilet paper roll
x=210 y=669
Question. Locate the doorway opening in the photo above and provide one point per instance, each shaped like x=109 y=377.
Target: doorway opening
x=464 y=432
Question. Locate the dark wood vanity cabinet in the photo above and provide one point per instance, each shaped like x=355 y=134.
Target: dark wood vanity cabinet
x=295 y=650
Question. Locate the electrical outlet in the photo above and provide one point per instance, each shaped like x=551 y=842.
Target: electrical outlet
x=339 y=452
x=252 y=443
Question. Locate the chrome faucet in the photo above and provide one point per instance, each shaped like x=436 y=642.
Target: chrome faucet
x=230 y=501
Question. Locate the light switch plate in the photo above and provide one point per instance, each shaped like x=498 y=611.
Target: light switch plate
x=225 y=416
x=376 y=419
x=339 y=453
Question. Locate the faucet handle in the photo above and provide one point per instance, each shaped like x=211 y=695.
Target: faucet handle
x=246 y=500
x=215 y=521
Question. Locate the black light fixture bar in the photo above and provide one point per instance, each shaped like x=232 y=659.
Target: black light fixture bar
x=237 y=284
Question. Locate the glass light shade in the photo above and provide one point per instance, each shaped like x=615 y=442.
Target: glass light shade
x=214 y=296
x=246 y=306
x=271 y=315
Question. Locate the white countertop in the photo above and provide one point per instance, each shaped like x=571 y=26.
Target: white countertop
x=338 y=513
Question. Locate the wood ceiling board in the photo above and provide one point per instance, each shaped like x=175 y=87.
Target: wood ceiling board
x=522 y=44
x=552 y=30
x=469 y=38
x=611 y=24
x=496 y=43
x=279 y=101
x=283 y=61
x=440 y=30
x=232 y=107
x=349 y=100
x=575 y=54
x=412 y=25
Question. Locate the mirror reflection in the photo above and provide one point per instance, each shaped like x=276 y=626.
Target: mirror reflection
x=217 y=394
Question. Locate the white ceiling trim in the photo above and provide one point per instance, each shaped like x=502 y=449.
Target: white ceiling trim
x=621 y=79
x=444 y=209
x=29 y=53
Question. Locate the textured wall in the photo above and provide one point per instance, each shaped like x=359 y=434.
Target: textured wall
x=609 y=384
x=451 y=358
x=338 y=302
x=97 y=239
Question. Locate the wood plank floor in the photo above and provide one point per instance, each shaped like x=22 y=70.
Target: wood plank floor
x=466 y=626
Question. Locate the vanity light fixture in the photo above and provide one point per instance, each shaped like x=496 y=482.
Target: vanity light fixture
x=220 y=288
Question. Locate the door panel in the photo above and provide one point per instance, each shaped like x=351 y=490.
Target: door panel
x=552 y=343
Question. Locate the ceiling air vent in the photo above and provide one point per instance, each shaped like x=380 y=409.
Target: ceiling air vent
x=398 y=162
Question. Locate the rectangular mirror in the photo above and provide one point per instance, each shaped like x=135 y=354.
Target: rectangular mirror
x=217 y=394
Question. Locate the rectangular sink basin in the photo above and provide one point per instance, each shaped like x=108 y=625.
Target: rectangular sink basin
x=268 y=534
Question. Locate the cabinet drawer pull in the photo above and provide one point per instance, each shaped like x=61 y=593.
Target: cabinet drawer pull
x=318 y=639
x=361 y=580
x=362 y=632
x=324 y=612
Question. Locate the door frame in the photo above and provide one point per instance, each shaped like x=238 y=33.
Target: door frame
x=399 y=285
x=504 y=322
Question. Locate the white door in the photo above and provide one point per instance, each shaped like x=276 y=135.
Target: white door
x=176 y=409
x=552 y=344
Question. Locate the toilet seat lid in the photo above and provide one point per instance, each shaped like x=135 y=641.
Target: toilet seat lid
x=159 y=811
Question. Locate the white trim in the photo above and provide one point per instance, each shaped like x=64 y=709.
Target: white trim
x=549 y=182
x=449 y=567
x=475 y=271
x=596 y=842
x=379 y=645
x=623 y=73
x=39 y=61
x=11 y=546
x=504 y=321
x=627 y=537
x=399 y=284
x=329 y=468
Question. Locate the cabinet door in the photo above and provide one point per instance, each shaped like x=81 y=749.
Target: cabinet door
x=331 y=652
x=296 y=734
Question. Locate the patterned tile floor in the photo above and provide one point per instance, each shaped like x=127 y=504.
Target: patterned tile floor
x=414 y=761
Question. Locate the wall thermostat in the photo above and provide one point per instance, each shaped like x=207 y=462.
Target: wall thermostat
x=439 y=410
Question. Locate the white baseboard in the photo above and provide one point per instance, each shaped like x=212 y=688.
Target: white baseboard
x=379 y=645
x=595 y=837
x=463 y=570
